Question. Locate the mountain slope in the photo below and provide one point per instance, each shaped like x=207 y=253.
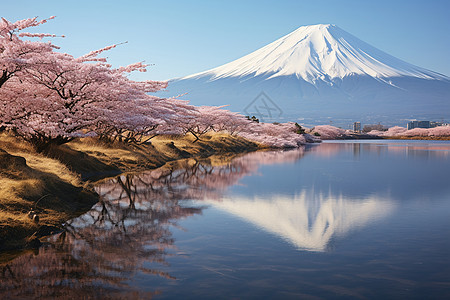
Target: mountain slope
x=320 y=73
x=318 y=52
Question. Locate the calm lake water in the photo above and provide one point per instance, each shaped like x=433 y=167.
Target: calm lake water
x=350 y=220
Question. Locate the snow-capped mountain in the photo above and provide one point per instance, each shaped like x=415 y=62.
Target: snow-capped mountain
x=318 y=74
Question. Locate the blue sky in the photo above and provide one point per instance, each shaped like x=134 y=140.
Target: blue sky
x=185 y=37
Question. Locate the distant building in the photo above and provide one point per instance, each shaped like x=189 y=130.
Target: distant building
x=423 y=124
x=436 y=124
x=357 y=127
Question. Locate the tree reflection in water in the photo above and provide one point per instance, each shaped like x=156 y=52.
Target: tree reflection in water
x=127 y=231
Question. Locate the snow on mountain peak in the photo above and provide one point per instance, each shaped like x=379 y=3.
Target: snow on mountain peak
x=318 y=52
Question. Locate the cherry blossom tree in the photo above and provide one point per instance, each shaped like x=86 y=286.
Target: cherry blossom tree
x=202 y=124
x=397 y=131
x=17 y=54
x=214 y=118
x=421 y=132
x=278 y=135
x=226 y=120
x=393 y=131
x=48 y=97
x=58 y=97
x=284 y=135
x=328 y=132
x=63 y=97
x=440 y=131
x=144 y=118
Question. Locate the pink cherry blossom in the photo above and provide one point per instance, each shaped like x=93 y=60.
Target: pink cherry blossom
x=49 y=97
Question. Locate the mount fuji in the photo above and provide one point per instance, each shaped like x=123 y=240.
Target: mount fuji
x=319 y=74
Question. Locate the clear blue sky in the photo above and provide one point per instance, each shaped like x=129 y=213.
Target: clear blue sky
x=185 y=37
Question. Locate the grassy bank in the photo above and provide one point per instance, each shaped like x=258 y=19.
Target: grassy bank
x=57 y=186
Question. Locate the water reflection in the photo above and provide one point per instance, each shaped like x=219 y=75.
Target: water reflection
x=100 y=251
x=310 y=197
x=97 y=253
x=308 y=220
x=429 y=149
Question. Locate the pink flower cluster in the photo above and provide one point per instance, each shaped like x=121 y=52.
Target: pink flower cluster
x=282 y=135
x=327 y=132
x=440 y=131
x=48 y=97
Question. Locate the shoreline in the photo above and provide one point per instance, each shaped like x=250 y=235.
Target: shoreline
x=59 y=186
x=418 y=138
x=376 y=137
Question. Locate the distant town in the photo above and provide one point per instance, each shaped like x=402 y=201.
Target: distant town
x=411 y=125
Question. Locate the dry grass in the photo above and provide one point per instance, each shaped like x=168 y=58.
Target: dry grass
x=55 y=185
x=37 y=161
x=13 y=206
x=38 y=182
x=162 y=149
x=102 y=151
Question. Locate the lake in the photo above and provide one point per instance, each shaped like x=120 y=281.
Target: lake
x=341 y=220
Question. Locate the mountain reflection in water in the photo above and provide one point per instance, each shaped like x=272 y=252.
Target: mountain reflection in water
x=311 y=198
x=308 y=220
